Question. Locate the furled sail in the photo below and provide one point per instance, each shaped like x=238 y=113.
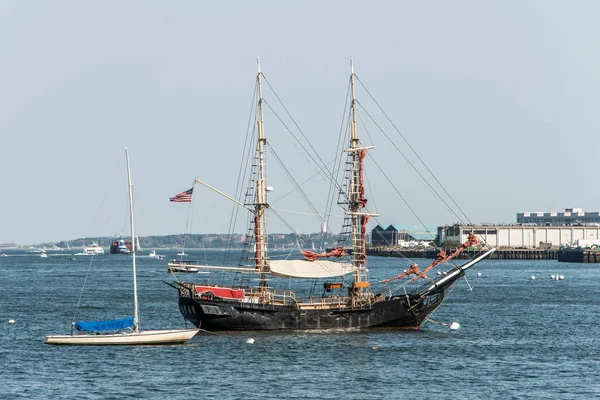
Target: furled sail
x=110 y=325
x=309 y=269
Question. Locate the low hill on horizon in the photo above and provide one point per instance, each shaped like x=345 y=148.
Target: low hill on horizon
x=195 y=241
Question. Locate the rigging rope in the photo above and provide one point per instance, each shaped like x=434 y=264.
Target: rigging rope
x=446 y=296
x=87 y=274
x=330 y=176
x=413 y=150
x=294 y=121
x=460 y=219
x=337 y=162
x=296 y=186
x=110 y=191
x=244 y=162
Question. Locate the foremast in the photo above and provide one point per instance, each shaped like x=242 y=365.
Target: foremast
x=357 y=202
x=260 y=251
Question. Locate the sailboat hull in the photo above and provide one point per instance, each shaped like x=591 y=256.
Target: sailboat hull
x=172 y=336
x=399 y=312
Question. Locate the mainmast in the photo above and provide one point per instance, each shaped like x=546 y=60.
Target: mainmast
x=357 y=200
x=261 y=203
x=354 y=207
x=133 y=248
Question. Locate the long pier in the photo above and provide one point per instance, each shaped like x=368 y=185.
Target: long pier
x=500 y=254
x=579 y=255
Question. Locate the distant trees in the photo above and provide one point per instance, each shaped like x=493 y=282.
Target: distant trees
x=210 y=240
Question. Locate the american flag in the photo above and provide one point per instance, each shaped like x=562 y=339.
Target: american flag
x=183 y=197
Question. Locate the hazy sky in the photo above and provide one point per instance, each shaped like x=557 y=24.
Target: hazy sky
x=500 y=98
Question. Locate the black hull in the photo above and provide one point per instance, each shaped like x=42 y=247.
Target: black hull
x=208 y=311
x=399 y=312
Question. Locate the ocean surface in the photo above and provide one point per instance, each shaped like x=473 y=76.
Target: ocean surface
x=518 y=339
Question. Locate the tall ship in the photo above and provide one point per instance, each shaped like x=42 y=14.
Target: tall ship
x=120 y=246
x=349 y=298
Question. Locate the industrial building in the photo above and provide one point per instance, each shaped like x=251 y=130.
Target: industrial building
x=389 y=236
x=570 y=216
x=523 y=235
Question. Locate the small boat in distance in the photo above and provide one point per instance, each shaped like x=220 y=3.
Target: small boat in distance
x=120 y=246
x=43 y=254
x=181 y=253
x=183 y=266
x=117 y=328
x=93 y=249
x=153 y=254
x=3 y=254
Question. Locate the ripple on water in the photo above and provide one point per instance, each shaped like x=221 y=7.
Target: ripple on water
x=518 y=338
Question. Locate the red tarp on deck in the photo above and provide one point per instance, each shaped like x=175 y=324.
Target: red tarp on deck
x=222 y=291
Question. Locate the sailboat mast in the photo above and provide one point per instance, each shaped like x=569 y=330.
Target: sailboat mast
x=135 y=295
x=354 y=183
x=259 y=219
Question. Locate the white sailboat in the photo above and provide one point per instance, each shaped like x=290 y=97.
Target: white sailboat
x=132 y=336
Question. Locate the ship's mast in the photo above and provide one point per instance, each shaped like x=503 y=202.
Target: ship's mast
x=357 y=200
x=354 y=207
x=261 y=203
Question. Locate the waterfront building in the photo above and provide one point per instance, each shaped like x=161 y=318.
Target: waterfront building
x=571 y=216
x=522 y=235
x=389 y=236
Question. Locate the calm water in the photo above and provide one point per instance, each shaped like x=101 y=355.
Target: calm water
x=518 y=339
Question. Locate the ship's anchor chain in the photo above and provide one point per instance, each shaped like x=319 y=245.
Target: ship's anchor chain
x=468 y=284
x=452 y=325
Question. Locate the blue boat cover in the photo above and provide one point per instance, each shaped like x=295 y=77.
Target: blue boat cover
x=111 y=325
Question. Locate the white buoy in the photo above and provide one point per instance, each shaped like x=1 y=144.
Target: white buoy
x=11 y=321
x=375 y=347
x=479 y=274
x=250 y=341
x=454 y=325
x=532 y=277
x=439 y=273
x=561 y=277
x=553 y=277
x=445 y=273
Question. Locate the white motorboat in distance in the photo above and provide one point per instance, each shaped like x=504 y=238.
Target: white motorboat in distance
x=153 y=254
x=93 y=249
x=183 y=266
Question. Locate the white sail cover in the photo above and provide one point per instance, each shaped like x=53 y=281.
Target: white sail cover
x=309 y=269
